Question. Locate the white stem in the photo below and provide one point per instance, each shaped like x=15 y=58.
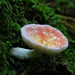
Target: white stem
x=22 y=53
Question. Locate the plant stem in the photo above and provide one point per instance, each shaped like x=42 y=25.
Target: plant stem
x=22 y=53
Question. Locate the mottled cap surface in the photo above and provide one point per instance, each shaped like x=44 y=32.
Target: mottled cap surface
x=44 y=38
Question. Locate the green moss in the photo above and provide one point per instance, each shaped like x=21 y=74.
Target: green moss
x=69 y=22
x=63 y=6
x=14 y=15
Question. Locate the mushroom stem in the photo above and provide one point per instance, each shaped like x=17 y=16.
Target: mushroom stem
x=22 y=53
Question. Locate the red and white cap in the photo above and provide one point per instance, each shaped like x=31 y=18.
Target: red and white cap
x=44 y=38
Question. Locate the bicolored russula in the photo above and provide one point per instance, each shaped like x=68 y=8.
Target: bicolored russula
x=43 y=39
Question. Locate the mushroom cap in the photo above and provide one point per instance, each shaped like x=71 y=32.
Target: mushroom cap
x=44 y=38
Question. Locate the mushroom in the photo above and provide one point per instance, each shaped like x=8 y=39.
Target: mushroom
x=43 y=39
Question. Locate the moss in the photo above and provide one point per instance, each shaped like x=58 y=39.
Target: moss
x=14 y=15
x=69 y=22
